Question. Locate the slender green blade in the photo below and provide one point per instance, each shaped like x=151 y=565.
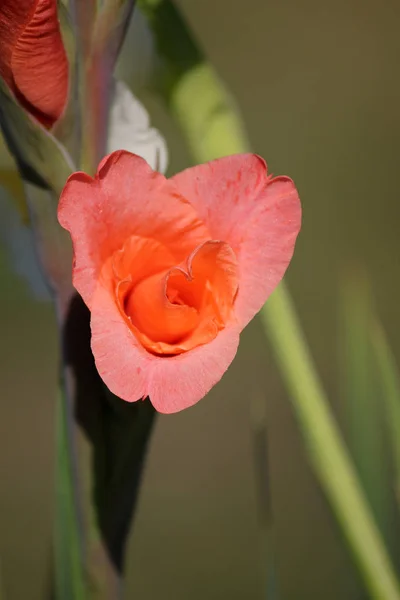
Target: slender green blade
x=327 y=452
x=69 y=583
x=362 y=398
x=390 y=386
x=41 y=159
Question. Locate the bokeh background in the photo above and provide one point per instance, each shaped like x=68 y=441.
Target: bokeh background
x=318 y=87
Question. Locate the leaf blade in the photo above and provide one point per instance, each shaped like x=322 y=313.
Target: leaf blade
x=41 y=159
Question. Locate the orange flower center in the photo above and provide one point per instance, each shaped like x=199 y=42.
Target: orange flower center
x=173 y=308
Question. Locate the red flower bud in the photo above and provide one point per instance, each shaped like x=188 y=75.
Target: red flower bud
x=33 y=61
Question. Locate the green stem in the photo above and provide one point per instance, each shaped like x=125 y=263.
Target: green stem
x=68 y=552
x=326 y=450
x=361 y=398
x=215 y=130
x=212 y=128
x=84 y=15
x=107 y=31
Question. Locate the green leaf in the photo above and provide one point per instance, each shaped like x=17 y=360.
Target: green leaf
x=326 y=450
x=44 y=166
x=53 y=243
x=198 y=99
x=69 y=580
x=41 y=159
x=361 y=396
x=390 y=387
x=19 y=243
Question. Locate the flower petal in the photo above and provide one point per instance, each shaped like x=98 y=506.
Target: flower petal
x=183 y=307
x=33 y=61
x=13 y=16
x=257 y=216
x=178 y=382
x=125 y=198
x=173 y=383
x=121 y=361
x=153 y=315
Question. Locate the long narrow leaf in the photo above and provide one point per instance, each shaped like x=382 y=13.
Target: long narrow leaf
x=42 y=160
x=390 y=385
x=327 y=453
x=361 y=398
x=69 y=579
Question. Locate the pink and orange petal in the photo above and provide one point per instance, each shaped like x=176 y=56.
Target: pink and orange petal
x=172 y=270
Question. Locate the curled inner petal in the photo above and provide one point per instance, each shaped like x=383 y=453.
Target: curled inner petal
x=155 y=316
x=172 y=309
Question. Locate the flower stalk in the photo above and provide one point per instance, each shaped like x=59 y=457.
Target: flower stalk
x=100 y=32
x=362 y=397
x=326 y=450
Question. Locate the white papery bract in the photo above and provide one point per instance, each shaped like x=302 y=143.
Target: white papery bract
x=130 y=130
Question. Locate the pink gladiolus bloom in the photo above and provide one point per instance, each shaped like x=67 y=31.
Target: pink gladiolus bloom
x=173 y=269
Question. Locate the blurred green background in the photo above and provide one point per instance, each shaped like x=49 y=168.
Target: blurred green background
x=318 y=87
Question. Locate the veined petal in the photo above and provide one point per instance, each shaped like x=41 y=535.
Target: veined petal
x=172 y=270
x=177 y=309
x=125 y=198
x=258 y=216
x=33 y=61
x=173 y=383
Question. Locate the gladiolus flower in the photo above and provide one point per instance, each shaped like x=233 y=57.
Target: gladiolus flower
x=33 y=61
x=173 y=269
